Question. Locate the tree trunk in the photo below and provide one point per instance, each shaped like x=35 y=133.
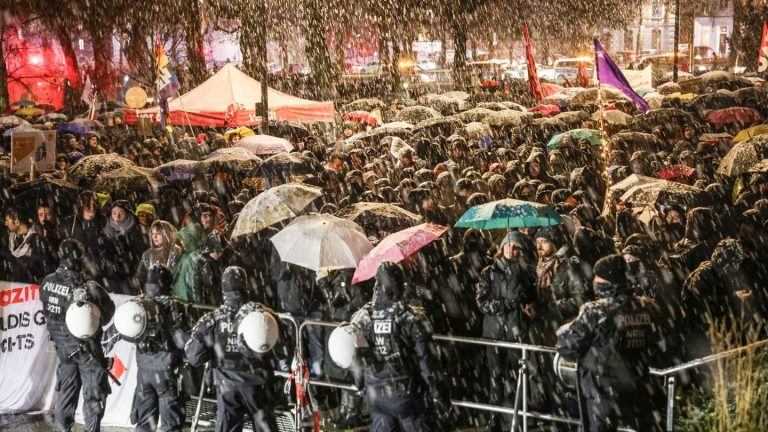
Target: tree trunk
x=250 y=47
x=4 y=96
x=140 y=58
x=395 y=80
x=745 y=39
x=320 y=65
x=102 y=75
x=443 y=48
x=460 y=51
x=338 y=45
x=384 y=60
x=196 y=72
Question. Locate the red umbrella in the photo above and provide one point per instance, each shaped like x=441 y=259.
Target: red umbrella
x=548 y=89
x=545 y=110
x=669 y=88
x=733 y=115
x=396 y=247
x=360 y=116
x=676 y=173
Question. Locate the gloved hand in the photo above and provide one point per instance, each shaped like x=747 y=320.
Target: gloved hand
x=338 y=301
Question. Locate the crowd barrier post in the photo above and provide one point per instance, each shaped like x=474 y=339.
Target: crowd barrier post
x=199 y=406
x=670 y=403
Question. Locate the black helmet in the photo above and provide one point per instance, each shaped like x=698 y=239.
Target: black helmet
x=159 y=280
x=390 y=280
x=71 y=253
x=233 y=280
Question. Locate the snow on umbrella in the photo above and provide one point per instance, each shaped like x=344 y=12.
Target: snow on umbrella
x=514 y=106
x=676 y=173
x=375 y=217
x=742 y=156
x=415 y=114
x=750 y=132
x=398 y=129
x=591 y=135
x=264 y=144
x=29 y=112
x=748 y=95
x=548 y=89
x=590 y=95
x=22 y=128
x=508 y=213
x=494 y=106
x=91 y=167
x=545 y=110
x=632 y=181
x=613 y=117
x=12 y=121
x=441 y=122
x=558 y=99
x=275 y=205
x=734 y=115
x=663 y=192
x=759 y=167
x=180 y=169
x=633 y=141
x=53 y=117
x=397 y=146
x=661 y=117
x=573 y=118
x=475 y=115
x=458 y=95
x=288 y=165
x=508 y=118
x=322 y=242
x=397 y=247
x=369 y=104
x=80 y=126
x=668 y=88
x=709 y=101
x=232 y=159
x=445 y=104
x=130 y=178
x=476 y=130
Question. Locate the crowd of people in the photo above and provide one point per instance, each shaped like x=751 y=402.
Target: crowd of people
x=701 y=259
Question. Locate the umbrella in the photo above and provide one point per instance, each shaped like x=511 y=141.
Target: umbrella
x=709 y=101
x=80 y=126
x=369 y=105
x=264 y=144
x=716 y=138
x=663 y=192
x=668 y=88
x=375 y=217
x=275 y=205
x=632 y=181
x=751 y=132
x=590 y=95
x=91 y=167
x=545 y=110
x=573 y=118
x=360 y=116
x=742 y=156
x=475 y=115
x=322 y=242
x=508 y=213
x=676 y=172
x=53 y=117
x=495 y=106
x=29 y=112
x=288 y=165
x=514 y=106
x=748 y=95
x=642 y=91
x=12 y=121
x=242 y=131
x=613 y=117
x=458 y=95
x=558 y=99
x=415 y=114
x=508 y=118
x=398 y=129
x=23 y=128
x=131 y=178
x=441 y=122
x=682 y=97
x=633 y=141
x=229 y=159
x=759 y=167
x=398 y=146
x=23 y=103
x=445 y=104
x=476 y=130
x=661 y=117
x=592 y=135
x=733 y=115
x=548 y=89
x=180 y=169
x=397 y=247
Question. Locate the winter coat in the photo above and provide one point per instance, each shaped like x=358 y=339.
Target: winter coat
x=87 y=232
x=168 y=256
x=120 y=254
x=502 y=293
x=29 y=257
x=186 y=278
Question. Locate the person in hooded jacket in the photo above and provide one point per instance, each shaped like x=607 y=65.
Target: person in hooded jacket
x=536 y=168
x=86 y=226
x=81 y=362
x=164 y=249
x=122 y=246
x=186 y=277
x=159 y=356
x=613 y=340
x=698 y=243
x=505 y=292
x=242 y=377
x=400 y=367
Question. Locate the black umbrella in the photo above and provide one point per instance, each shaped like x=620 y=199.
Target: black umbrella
x=710 y=101
x=287 y=165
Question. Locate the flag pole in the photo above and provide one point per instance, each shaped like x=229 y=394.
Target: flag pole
x=603 y=136
x=183 y=108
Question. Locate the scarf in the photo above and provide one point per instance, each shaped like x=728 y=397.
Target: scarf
x=545 y=272
x=115 y=229
x=25 y=248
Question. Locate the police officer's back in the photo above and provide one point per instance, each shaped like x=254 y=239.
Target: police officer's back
x=81 y=362
x=613 y=340
x=242 y=377
x=400 y=367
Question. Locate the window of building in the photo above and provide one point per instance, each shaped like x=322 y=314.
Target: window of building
x=656 y=39
x=656 y=8
x=629 y=37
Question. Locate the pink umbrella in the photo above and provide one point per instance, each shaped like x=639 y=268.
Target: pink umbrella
x=264 y=144
x=545 y=110
x=396 y=247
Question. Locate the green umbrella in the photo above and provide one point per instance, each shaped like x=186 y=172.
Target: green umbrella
x=508 y=213
x=592 y=135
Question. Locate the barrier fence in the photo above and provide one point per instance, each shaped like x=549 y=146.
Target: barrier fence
x=519 y=412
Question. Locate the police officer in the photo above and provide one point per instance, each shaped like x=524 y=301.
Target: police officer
x=242 y=377
x=81 y=361
x=159 y=355
x=613 y=340
x=400 y=366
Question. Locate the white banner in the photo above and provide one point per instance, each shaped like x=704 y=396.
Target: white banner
x=28 y=360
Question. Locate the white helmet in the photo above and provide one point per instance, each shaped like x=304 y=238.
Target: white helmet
x=343 y=344
x=83 y=319
x=130 y=319
x=259 y=330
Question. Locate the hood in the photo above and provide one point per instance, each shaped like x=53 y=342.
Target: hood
x=192 y=237
x=539 y=157
x=700 y=225
x=390 y=284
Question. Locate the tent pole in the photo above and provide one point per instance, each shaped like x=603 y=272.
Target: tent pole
x=183 y=108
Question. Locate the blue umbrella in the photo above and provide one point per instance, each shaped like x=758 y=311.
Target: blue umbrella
x=79 y=127
x=508 y=213
x=180 y=169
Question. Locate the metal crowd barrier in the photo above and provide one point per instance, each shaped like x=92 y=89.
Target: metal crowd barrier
x=520 y=415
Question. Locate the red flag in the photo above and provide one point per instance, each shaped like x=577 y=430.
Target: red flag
x=762 y=56
x=533 y=77
x=582 y=78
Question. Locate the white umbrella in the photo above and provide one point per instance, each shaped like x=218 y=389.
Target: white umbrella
x=275 y=205
x=264 y=144
x=322 y=242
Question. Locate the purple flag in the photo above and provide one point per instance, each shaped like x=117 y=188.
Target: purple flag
x=609 y=73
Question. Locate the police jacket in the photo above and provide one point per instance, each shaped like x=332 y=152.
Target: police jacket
x=214 y=338
x=502 y=292
x=613 y=340
x=162 y=345
x=61 y=288
x=400 y=342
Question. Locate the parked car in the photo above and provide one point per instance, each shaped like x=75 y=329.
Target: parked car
x=566 y=68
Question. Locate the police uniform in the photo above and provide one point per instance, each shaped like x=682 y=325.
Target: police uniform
x=242 y=377
x=159 y=354
x=613 y=340
x=400 y=366
x=80 y=361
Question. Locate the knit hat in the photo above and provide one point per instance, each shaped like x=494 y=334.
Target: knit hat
x=123 y=204
x=146 y=208
x=612 y=268
x=550 y=234
x=514 y=237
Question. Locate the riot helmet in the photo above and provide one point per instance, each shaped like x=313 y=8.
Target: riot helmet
x=343 y=344
x=71 y=254
x=130 y=320
x=159 y=281
x=233 y=283
x=259 y=330
x=390 y=280
x=83 y=319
